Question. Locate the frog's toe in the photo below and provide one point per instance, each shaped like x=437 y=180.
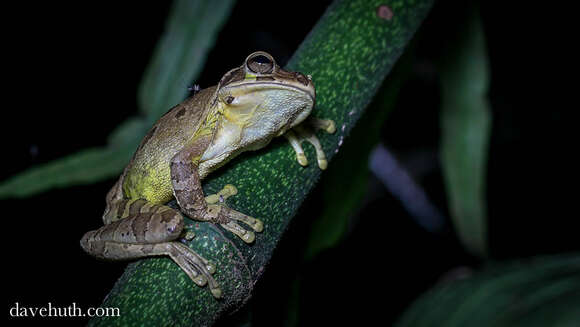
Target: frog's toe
x=320 y=156
x=223 y=195
x=230 y=190
x=246 y=235
x=302 y=160
x=216 y=292
x=211 y=268
x=200 y=280
x=323 y=164
x=295 y=142
x=256 y=224
x=327 y=125
x=197 y=268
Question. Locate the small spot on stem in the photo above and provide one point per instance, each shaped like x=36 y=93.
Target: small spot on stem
x=385 y=12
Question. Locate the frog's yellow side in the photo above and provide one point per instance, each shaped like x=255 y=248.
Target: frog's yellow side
x=148 y=174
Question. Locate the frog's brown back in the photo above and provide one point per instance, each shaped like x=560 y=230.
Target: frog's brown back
x=148 y=176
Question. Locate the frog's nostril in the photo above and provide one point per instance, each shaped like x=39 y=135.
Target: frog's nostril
x=302 y=79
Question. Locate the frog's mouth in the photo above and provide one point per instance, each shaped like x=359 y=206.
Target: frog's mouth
x=262 y=86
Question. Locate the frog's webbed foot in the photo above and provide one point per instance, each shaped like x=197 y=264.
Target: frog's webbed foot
x=305 y=132
x=196 y=267
x=228 y=218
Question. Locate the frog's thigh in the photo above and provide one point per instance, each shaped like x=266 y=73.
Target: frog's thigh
x=150 y=233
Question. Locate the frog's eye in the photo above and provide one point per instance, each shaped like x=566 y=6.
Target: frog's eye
x=229 y=99
x=260 y=63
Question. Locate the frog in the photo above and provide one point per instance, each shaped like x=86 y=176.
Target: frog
x=251 y=105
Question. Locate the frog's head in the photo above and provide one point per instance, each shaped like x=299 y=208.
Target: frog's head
x=264 y=98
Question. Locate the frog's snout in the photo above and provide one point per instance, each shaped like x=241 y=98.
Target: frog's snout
x=306 y=81
x=302 y=79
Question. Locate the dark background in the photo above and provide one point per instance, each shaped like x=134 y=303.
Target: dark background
x=71 y=76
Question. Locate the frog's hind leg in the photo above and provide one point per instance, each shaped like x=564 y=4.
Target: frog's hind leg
x=143 y=229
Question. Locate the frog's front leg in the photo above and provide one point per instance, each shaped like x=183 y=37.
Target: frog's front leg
x=137 y=229
x=188 y=192
x=306 y=132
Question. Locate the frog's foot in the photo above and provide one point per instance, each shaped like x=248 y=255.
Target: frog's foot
x=228 y=218
x=196 y=267
x=304 y=132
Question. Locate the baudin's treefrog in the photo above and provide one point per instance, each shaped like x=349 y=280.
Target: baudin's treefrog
x=250 y=106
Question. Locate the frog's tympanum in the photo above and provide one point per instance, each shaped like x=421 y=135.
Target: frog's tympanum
x=250 y=106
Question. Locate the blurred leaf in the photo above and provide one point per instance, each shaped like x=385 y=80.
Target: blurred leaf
x=192 y=27
x=543 y=291
x=87 y=166
x=465 y=125
x=191 y=30
x=129 y=132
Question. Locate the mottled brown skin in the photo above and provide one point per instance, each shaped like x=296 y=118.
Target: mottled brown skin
x=251 y=105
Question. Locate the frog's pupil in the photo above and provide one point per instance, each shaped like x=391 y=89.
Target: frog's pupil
x=262 y=60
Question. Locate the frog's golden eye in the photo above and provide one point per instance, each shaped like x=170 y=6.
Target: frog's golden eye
x=260 y=63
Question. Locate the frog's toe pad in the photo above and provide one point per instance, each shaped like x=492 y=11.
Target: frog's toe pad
x=301 y=158
x=211 y=268
x=200 y=280
x=229 y=189
x=258 y=225
x=216 y=292
x=325 y=124
x=223 y=195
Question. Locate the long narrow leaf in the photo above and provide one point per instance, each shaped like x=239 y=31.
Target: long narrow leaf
x=465 y=125
x=181 y=53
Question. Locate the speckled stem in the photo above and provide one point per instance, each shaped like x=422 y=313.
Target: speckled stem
x=348 y=53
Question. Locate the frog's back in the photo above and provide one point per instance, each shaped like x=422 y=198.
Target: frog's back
x=148 y=176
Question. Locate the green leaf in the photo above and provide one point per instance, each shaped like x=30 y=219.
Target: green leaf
x=465 y=126
x=543 y=291
x=128 y=133
x=348 y=53
x=191 y=30
x=87 y=166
